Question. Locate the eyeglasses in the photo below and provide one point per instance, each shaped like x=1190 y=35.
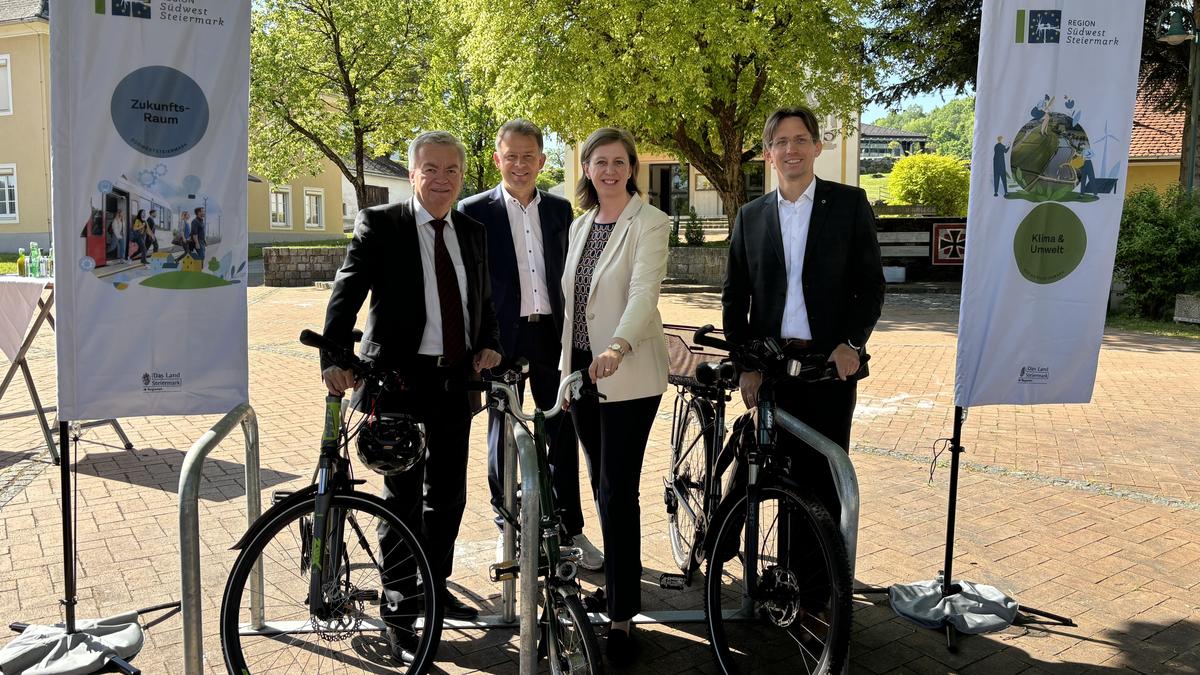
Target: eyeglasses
x=799 y=141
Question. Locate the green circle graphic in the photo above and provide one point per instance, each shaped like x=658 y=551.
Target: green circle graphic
x=1049 y=244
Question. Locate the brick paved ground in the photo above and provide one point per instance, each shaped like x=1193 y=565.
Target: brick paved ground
x=1091 y=510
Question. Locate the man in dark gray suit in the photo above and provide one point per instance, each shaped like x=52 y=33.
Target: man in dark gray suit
x=431 y=319
x=804 y=268
x=527 y=232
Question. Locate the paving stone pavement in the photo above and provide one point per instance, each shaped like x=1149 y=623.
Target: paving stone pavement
x=1092 y=511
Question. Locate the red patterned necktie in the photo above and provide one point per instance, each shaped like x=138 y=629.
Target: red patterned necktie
x=454 y=341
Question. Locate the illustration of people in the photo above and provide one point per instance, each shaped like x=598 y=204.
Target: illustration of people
x=117 y=224
x=198 y=245
x=1087 y=173
x=999 y=168
x=139 y=233
x=1046 y=114
x=1040 y=108
x=151 y=230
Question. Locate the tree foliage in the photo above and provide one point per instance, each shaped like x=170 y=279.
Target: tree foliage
x=694 y=78
x=933 y=180
x=1158 y=249
x=951 y=127
x=334 y=79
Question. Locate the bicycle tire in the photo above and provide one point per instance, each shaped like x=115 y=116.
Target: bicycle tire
x=691 y=455
x=356 y=639
x=809 y=592
x=574 y=618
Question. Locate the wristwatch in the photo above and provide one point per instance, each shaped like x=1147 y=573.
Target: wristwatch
x=853 y=346
x=616 y=347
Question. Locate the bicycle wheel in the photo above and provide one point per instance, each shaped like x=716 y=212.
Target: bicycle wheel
x=575 y=648
x=349 y=636
x=688 y=479
x=797 y=620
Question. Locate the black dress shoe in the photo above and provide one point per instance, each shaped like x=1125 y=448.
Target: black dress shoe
x=403 y=644
x=620 y=648
x=456 y=609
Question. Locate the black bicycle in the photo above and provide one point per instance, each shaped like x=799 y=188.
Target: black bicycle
x=778 y=583
x=564 y=633
x=307 y=589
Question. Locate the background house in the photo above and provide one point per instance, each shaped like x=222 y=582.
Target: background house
x=876 y=141
x=1154 y=146
x=24 y=124
x=387 y=183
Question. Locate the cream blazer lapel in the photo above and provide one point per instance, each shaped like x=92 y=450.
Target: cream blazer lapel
x=616 y=239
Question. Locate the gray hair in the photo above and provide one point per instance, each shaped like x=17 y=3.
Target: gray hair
x=521 y=127
x=435 y=138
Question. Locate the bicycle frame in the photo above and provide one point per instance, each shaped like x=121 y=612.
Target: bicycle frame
x=331 y=472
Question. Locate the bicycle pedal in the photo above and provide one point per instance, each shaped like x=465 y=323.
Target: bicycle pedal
x=280 y=495
x=672 y=582
x=503 y=571
x=366 y=596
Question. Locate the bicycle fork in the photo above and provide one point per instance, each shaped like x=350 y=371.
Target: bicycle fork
x=323 y=549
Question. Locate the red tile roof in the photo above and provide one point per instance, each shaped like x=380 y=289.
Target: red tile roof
x=1156 y=135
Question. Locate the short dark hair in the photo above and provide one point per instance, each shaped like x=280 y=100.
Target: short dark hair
x=522 y=127
x=585 y=192
x=806 y=115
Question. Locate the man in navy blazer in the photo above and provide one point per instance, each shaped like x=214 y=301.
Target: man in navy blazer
x=527 y=247
x=804 y=269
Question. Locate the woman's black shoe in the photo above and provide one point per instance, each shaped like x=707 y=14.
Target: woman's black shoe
x=620 y=648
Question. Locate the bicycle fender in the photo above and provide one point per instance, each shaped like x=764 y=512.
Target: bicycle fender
x=300 y=495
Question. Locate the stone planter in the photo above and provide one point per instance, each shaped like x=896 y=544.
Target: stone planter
x=300 y=265
x=1187 y=308
x=697 y=264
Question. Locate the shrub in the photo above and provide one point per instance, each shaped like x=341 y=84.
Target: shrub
x=939 y=181
x=694 y=232
x=876 y=164
x=1158 y=249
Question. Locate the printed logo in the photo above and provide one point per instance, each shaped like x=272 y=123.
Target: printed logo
x=1039 y=26
x=145 y=379
x=156 y=382
x=1034 y=375
x=135 y=8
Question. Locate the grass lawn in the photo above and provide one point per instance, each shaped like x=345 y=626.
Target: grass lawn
x=255 y=251
x=1136 y=324
x=876 y=188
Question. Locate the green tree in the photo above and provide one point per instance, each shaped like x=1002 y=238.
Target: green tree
x=933 y=180
x=334 y=79
x=696 y=78
x=950 y=127
x=1158 y=249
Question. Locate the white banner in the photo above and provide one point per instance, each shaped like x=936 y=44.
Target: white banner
x=149 y=107
x=1053 y=113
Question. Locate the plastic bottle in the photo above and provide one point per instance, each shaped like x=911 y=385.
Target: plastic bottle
x=22 y=269
x=35 y=260
x=49 y=266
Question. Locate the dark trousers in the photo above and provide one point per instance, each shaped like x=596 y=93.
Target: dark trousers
x=827 y=407
x=538 y=342
x=431 y=497
x=614 y=437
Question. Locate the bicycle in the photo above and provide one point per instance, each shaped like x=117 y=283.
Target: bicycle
x=563 y=630
x=325 y=581
x=778 y=583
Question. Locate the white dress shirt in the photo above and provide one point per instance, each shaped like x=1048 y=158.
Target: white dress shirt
x=794 y=219
x=526 y=225
x=431 y=339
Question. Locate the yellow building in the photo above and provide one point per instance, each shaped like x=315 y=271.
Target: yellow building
x=668 y=186
x=1154 y=146
x=309 y=207
x=24 y=124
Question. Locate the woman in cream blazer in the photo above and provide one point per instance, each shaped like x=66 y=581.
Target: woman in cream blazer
x=616 y=261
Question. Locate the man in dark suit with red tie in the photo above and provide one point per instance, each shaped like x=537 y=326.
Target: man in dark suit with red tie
x=804 y=269
x=431 y=318
x=527 y=247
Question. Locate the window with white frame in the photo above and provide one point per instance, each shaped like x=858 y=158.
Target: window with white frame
x=8 y=193
x=314 y=207
x=281 y=207
x=5 y=86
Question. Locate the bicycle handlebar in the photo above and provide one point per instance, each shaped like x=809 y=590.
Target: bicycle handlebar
x=571 y=385
x=765 y=355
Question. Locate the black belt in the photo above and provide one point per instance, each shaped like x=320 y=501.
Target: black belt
x=534 y=318
x=434 y=362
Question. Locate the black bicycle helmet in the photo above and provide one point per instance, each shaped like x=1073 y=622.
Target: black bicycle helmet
x=391 y=443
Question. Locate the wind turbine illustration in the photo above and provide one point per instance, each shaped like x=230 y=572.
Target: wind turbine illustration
x=1109 y=172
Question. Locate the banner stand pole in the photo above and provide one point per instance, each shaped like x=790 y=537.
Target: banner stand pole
x=949 y=588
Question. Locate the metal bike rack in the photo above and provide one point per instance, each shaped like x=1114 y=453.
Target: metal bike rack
x=189 y=529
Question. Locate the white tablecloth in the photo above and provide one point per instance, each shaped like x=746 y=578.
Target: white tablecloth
x=18 y=302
